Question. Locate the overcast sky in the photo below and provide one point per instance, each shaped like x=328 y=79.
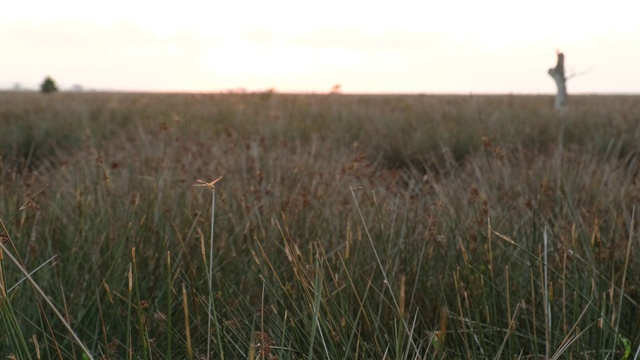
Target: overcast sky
x=495 y=46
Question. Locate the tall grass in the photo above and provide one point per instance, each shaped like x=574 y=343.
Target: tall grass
x=400 y=227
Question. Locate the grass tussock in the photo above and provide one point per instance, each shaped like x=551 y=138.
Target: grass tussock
x=346 y=227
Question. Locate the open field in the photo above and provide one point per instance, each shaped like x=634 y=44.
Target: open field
x=346 y=227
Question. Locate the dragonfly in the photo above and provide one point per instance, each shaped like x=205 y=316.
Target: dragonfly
x=211 y=185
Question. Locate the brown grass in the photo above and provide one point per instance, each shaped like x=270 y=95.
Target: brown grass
x=428 y=172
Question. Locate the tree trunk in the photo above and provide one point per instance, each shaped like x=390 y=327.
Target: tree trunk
x=557 y=74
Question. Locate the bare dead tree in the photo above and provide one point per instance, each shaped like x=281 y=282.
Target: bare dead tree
x=557 y=73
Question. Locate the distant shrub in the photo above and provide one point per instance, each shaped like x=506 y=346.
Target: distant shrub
x=48 y=86
x=267 y=94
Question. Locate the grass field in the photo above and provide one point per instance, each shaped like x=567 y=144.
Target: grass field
x=346 y=227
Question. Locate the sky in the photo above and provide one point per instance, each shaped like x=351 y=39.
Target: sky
x=404 y=46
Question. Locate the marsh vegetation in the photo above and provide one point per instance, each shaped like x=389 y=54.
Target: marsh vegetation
x=346 y=227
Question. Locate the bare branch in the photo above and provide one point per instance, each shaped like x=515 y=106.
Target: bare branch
x=579 y=73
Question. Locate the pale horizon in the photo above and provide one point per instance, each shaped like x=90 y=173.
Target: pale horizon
x=462 y=47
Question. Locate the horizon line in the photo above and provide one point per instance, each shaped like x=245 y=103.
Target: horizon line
x=240 y=91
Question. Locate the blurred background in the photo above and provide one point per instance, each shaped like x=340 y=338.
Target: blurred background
x=494 y=46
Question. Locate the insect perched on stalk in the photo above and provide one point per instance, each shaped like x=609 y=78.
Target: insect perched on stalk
x=210 y=185
x=212 y=313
